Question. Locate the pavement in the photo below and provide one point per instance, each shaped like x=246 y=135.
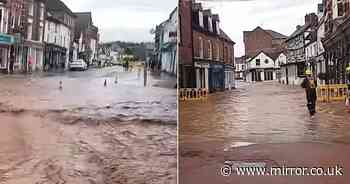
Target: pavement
x=86 y=132
x=261 y=123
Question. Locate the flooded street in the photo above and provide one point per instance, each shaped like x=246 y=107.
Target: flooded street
x=87 y=132
x=262 y=113
x=265 y=122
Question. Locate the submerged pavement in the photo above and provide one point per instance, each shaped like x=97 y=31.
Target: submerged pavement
x=262 y=122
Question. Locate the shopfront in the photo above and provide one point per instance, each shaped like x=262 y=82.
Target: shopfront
x=6 y=41
x=55 y=58
x=216 y=77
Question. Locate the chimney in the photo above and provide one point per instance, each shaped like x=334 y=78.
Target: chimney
x=298 y=27
x=311 y=19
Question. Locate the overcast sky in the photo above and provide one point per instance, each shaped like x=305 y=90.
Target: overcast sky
x=282 y=16
x=125 y=20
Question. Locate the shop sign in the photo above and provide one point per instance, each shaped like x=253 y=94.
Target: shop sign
x=6 y=39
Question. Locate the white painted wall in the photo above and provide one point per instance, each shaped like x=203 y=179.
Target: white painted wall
x=263 y=57
x=311 y=51
x=170 y=26
x=168 y=57
x=282 y=59
x=93 y=44
x=58 y=34
x=292 y=75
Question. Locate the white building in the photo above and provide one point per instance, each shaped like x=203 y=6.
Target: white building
x=264 y=66
x=240 y=67
x=58 y=41
x=168 y=40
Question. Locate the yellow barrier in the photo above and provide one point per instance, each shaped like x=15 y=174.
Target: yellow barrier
x=187 y=94
x=333 y=92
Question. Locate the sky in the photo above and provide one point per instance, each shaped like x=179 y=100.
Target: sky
x=237 y=16
x=125 y=20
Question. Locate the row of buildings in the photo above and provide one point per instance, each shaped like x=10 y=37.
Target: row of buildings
x=44 y=35
x=206 y=52
x=320 y=44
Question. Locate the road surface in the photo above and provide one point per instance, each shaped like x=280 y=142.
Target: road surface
x=262 y=122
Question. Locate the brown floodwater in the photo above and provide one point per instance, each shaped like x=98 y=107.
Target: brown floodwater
x=261 y=113
x=86 y=132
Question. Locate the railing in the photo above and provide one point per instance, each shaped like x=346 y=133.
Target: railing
x=187 y=94
x=334 y=92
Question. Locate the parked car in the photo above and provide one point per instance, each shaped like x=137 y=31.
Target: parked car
x=78 y=65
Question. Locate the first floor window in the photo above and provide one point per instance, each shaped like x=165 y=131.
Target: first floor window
x=257 y=62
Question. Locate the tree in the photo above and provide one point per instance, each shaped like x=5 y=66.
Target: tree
x=128 y=51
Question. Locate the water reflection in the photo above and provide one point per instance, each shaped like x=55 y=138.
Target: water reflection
x=261 y=113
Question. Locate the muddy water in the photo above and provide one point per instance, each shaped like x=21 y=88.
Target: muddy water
x=260 y=113
x=85 y=92
x=87 y=133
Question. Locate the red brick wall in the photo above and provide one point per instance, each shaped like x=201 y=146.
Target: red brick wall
x=185 y=43
x=256 y=41
x=217 y=43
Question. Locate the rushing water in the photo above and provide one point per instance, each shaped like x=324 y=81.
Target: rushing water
x=261 y=113
x=85 y=92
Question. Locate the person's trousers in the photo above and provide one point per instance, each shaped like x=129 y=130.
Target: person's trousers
x=311 y=105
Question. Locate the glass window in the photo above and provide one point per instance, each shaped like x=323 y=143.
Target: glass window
x=257 y=61
x=31 y=9
x=210 y=48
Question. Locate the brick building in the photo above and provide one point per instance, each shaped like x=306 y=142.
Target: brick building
x=260 y=39
x=336 y=41
x=206 y=52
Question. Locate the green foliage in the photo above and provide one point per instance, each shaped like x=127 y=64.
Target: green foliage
x=128 y=51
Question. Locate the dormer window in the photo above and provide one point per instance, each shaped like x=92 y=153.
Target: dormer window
x=205 y=21
x=200 y=16
x=210 y=24
x=218 y=27
x=214 y=26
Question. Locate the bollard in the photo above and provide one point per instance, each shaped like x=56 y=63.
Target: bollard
x=116 y=79
x=105 y=83
x=60 y=85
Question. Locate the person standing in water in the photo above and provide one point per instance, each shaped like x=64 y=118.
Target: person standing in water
x=310 y=85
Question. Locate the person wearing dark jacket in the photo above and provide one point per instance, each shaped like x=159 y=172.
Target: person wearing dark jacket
x=310 y=85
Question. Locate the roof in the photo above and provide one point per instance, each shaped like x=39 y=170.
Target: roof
x=275 y=34
x=298 y=31
x=84 y=18
x=272 y=55
x=58 y=5
x=225 y=36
